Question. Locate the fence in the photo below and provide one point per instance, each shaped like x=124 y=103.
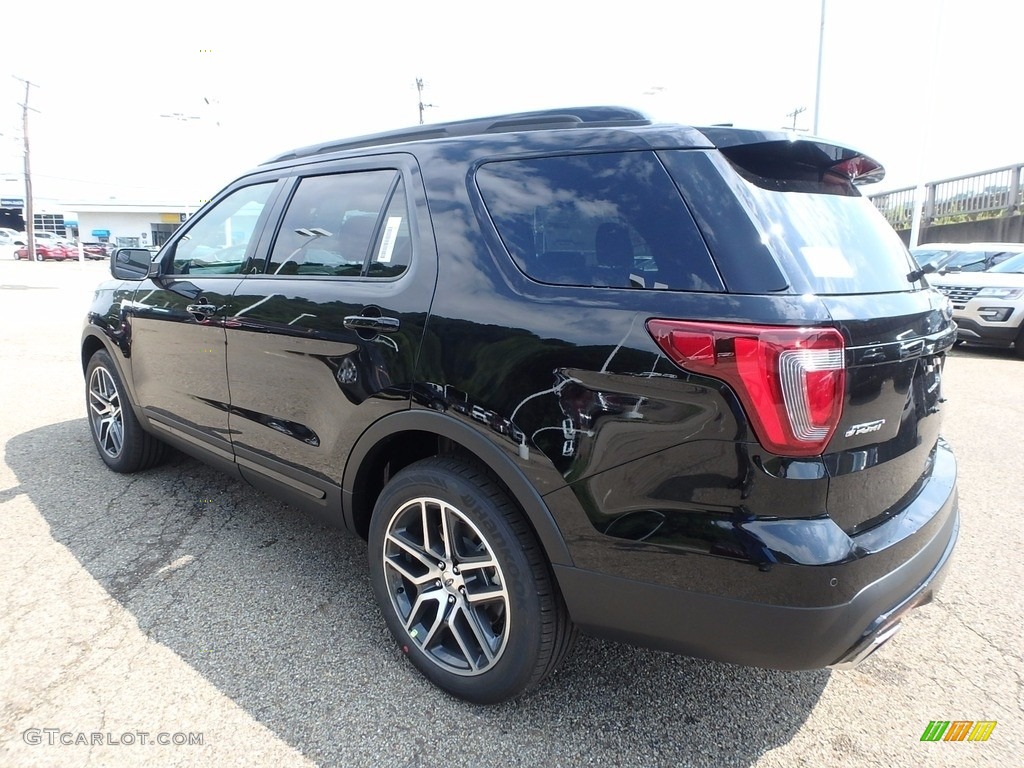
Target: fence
x=988 y=194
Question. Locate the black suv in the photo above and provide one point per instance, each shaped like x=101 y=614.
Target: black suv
x=563 y=370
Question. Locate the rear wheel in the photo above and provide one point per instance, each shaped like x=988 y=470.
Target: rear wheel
x=122 y=443
x=463 y=583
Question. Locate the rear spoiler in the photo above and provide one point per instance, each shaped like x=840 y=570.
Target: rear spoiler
x=782 y=157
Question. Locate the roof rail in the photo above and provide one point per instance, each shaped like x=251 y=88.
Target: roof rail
x=574 y=117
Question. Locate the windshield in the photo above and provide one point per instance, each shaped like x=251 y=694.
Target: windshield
x=936 y=256
x=1014 y=264
x=974 y=260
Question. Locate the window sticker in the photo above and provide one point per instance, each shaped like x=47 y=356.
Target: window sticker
x=826 y=261
x=387 y=242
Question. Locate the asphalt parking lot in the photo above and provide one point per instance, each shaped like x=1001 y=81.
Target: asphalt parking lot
x=179 y=604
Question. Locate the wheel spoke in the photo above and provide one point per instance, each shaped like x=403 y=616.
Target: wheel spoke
x=438 y=623
x=478 y=633
x=414 y=611
x=411 y=550
x=405 y=573
x=98 y=403
x=446 y=534
x=486 y=596
x=464 y=646
x=472 y=565
x=116 y=435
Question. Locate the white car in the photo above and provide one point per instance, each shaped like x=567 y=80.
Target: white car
x=964 y=257
x=988 y=307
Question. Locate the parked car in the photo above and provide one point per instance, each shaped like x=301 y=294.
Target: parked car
x=96 y=251
x=966 y=257
x=41 y=236
x=732 y=452
x=45 y=252
x=988 y=306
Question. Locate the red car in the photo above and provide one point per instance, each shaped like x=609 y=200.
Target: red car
x=95 y=251
x=53 y=251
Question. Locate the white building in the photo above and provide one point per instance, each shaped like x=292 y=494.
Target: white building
x=126 y=224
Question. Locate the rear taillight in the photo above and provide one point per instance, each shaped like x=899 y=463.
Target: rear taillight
x=790 y=381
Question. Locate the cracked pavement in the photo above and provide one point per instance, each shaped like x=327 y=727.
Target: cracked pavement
x=181 y=601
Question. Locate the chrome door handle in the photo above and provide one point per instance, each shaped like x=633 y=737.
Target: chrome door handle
x=202 y=311
x=376 y=324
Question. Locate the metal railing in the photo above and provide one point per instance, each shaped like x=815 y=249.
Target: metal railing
x=987 y=194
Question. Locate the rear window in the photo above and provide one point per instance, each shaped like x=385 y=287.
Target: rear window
x=827 y=238
x=614 y=220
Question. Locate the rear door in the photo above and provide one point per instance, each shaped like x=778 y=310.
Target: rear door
x=323 y=341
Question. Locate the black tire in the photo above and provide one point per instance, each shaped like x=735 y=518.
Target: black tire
x=494 y=632
x=119 y=438
x=1018 y=345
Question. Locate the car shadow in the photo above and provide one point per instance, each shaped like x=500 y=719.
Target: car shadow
x=277 y=612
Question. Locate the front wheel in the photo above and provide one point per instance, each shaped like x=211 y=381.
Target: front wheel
x=122 y=443
x=463 y=583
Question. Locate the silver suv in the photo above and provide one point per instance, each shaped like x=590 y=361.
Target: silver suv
x=988 y=306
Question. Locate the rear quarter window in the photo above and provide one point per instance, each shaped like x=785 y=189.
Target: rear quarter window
x=610 y=219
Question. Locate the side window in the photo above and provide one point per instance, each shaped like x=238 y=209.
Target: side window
x=613 y=220
x=332 y=222
x=217 y=243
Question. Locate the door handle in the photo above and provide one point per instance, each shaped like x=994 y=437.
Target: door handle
x=202 y=311
x=375 y=324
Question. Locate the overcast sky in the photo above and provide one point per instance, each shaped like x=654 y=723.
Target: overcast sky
x=931 y=88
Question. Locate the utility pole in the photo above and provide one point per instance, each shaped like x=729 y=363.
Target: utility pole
x=30 y=223
x=419 y=90
x=817 y=84
x=795 y=114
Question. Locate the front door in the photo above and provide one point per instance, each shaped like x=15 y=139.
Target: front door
x=178 y=355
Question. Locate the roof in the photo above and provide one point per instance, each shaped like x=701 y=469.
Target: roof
x=570 y=117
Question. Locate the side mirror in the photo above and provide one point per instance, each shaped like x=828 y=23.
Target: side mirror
x=130 y=263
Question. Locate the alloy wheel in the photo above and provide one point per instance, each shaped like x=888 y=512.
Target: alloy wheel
x=446 y=586
x=105 y=412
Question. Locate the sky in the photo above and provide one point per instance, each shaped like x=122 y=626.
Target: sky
x=930 y=88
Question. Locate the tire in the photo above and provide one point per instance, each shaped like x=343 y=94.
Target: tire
x=1018 y=345
x=434 y=526
x=119 y=438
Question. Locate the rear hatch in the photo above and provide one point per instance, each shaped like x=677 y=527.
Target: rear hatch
x=784 y=217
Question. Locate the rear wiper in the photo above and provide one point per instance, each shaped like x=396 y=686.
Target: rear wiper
x=920 y=272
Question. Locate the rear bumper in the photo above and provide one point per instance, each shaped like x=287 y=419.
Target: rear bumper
x=777 y=635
